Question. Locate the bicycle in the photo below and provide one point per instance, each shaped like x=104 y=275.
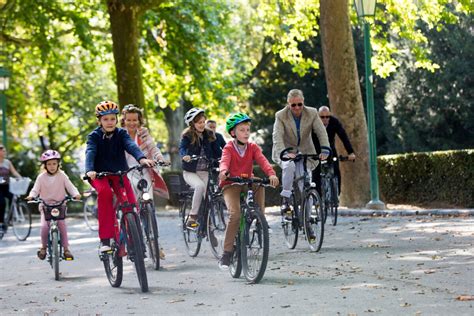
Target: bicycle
x=330 y=188
x=128 y=237
x=90 y=210
x=211 y=220
x=18 y=214
x=147 y=216
x=53 y=213
x=306 y=212
x=252 y=245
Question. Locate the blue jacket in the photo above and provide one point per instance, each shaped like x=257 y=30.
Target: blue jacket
x=108 y=154
x=211 y=150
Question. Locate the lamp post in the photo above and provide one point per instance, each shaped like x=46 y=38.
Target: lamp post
x=365 y=9
x=4 y=84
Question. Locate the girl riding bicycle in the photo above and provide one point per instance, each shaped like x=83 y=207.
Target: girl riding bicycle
x=238 y=157
x=106 y=147
x=197 y=140
x=52 y=185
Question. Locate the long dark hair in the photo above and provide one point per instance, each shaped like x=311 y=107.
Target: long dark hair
x=192 y=133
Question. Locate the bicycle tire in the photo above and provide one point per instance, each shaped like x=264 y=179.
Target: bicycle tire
x=55 y=253
x=255 y=246
x=135 y=249
x=113 y=265
x=325 y=198
x=150 y=226
x=313 y=221
x=334 y=201
x=291 y=227
x=90 y=212
x=190 y=235
x=21 y=220
x=235 y=267
x=216 y=226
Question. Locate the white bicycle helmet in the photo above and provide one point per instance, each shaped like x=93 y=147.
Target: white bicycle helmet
x=191 y=114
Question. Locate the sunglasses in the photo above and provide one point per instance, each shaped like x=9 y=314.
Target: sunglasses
x=296 y=104
x=324 y=117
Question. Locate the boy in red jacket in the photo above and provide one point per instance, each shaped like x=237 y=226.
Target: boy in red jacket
x=238 y=157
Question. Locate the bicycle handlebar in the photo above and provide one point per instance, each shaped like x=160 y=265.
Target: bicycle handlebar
x=264 y=181
x=298 y=156
x=121 y=173
x=40 y=200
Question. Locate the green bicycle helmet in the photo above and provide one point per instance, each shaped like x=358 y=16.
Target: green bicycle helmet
x=235 y=119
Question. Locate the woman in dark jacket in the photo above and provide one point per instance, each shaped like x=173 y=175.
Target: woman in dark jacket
x=200 y=141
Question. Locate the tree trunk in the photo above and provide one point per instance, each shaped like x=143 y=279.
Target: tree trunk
x=345 y=97
x=124 y=16
x=175 y=124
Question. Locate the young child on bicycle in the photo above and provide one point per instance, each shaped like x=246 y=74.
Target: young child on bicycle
x=105 y=152
x=51 y=186
x=238 y=157
x=200 y=141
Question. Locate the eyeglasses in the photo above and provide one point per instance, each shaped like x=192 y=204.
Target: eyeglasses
x=296 y=104
x=324 y=117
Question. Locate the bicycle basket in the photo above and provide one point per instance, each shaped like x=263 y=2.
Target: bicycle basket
x=60 y=211
x=19 y=186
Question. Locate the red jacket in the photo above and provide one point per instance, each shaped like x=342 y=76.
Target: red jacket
x=236 y=165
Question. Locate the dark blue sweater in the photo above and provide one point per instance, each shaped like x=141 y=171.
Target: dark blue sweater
x=211 y=150
x=108 y=154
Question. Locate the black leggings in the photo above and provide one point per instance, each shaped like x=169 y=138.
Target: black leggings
x=4 y=194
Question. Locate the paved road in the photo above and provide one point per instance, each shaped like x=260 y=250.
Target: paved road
x=375 y=265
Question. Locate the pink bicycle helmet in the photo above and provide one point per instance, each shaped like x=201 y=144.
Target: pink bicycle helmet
x=50 y=154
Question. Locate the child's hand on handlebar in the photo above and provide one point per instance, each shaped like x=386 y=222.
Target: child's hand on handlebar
x=91 y=174
x=223 y=175
x=187 y=158
x=77 y=197
x=274 y=181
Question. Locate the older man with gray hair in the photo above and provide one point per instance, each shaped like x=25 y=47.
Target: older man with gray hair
x=293 y=127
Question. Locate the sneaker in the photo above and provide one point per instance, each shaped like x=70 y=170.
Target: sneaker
x=68 y=255
x=162 y=254
x=224 y=262
x=105 y=245
x=191 y=222
x=285 y=205
x=213 y=239
x=41 y=253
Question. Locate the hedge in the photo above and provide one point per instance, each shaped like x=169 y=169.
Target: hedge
x=442 y=178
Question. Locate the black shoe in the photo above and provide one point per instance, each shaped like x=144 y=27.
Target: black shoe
x=285 y=205
x=224 y=262
x=312 y=236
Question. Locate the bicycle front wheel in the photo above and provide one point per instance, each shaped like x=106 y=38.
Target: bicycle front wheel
x=150 y=226
x=254 y=246
x=216 y=226
x=135 y=250
x=21 y=221
x=90 y=212
x=113 y=265
x=290 y=225
x=190 y=234
x=235 y=267
x=334 y=200
x=55 y=253
x=313 y=221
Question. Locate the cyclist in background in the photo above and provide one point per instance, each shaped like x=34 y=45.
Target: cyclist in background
x=6 y=169
x=237 y=160
x=52 y=185
x=105 y=152
x=197 y=140
x=333 y=128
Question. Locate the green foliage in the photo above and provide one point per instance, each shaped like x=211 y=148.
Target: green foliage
x=443 y=178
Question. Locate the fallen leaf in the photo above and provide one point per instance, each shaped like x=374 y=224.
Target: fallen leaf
x=405 y=304
x=176 y=300
x=465 y=298
x=430 y=271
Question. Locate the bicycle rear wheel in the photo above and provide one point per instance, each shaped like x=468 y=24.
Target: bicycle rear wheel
x=254 y=246
x=216 y=226
x=235 y=267
x=135 y=249
x=151 y=232
x=335 y=200
x=192 y=240
x=90 y=212
x=21 y=220
x=313 y=221
x=55 y=253
x=113 y=265
x=291 y=225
